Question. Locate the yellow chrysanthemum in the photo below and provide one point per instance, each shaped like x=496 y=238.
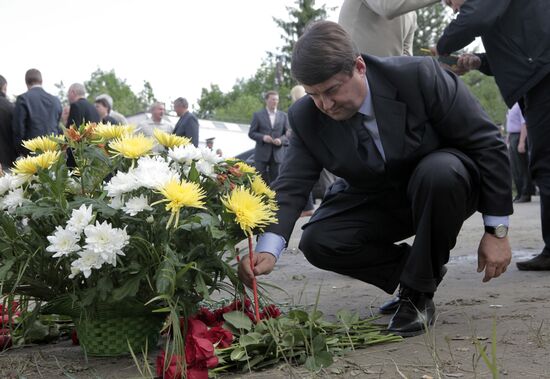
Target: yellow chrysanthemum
x=30 y=165
x=41 y=144
x=170 y=140
x=179 y=194
x=249 y=209
x=133 y=146
x=247 y=169
x=108 y=131
x=261 y=188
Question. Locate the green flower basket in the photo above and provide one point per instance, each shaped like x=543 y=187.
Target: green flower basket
x=113 y=336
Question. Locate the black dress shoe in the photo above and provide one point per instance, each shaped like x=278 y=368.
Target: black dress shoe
x=523 y=199
x=415 y=313
x=390 y=306
x=539 y=263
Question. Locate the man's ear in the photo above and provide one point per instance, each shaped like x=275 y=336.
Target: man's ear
x=360 y=65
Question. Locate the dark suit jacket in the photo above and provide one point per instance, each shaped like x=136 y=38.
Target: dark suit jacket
x=188 y=126
x=260 y=126
x=36 y=113
x=419 y=108
x=7 y=150
x=82 y=112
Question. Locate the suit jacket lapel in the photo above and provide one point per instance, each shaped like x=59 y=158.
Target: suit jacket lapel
x=390 y=115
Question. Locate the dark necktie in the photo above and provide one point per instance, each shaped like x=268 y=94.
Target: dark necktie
x=367 y=148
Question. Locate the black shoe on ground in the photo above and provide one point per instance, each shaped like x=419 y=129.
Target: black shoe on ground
x=539 y=263
x=390 y=306
x=415 y=313
x=523 y=199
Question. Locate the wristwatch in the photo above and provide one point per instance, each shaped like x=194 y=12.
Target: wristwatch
x=499 y=231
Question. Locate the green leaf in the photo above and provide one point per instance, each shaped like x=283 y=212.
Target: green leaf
x=348 y=318
x=129 y=289
x=166 y=277
x=238 y=354
x=5 y=268
x=238 y=319
x=250 y=339
x=288 y=340
x=299 y=315
x=320 y=360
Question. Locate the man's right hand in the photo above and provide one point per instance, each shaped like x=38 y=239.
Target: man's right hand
x=263 y=264
x=268 y=139
x=467 y=62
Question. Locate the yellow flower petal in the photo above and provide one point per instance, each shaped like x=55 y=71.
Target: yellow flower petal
x=30 y=165
x=261 y=188
x=41 y=144
x=132 y=146
x=250 y=210
x=108 y=131
x=170 y=140
x=179 y=194
x=247 y=169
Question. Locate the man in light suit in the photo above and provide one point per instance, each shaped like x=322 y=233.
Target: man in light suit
x=381 y=27
x=36 y=113
x=416 y=155
x=268 y=128
x=187 y=125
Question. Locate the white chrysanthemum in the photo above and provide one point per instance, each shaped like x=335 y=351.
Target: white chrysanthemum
x=206 y=168
x=121 y=183
x=116 y=202
x=87 y=261
x=210 y=156
x=105 y=240
x=10 y=182
x=150 y=219
x=63 y=242
x=135 y=205
x=13 y=200
x=154 y=172
x=185 y=154
x=80 y=218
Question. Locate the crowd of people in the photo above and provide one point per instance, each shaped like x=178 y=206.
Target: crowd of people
x=412 y=150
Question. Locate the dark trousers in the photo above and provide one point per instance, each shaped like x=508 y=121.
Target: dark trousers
x=519 y=163
x=362 y=242
x=268 y=170
x=536 y=111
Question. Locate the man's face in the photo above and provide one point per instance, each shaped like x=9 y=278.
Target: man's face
x=157 y=112
x=455 y=4
x=272 y=101
x=179 y=109
x=341 y=96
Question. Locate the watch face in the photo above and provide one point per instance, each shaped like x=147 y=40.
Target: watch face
x=501 y=231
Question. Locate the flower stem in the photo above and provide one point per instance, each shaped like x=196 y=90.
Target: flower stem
x=254 y=284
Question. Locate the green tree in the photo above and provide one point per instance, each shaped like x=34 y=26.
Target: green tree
x=304 y=13
x=486 y=91
x=62 y=93
x=246 y=96
x=431 y=21
x=124 y=99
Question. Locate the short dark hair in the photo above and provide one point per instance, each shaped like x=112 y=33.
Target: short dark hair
x=324 y=50
x=269 y=93
x=103 y=101
x=181 y=101
x=32 y=77
x=3 y=81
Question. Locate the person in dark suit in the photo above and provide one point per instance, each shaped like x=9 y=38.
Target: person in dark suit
x=516 y=37
x=36 y=112
x=7 y=150
x=187 y=125
x=268 y=128
x=81 y=110
x=415 y=155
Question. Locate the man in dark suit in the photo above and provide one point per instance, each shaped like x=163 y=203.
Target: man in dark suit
x=36 y=112
x=7 y=150
x=268 y=128
x=416 y=155
x=187 y=125
x=81 y=111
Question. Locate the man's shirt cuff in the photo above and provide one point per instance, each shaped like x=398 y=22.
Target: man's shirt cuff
x=496 y=220
x=271 y=243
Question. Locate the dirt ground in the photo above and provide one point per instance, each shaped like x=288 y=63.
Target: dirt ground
x=518 y=304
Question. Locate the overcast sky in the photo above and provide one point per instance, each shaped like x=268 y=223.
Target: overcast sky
x=180 y=46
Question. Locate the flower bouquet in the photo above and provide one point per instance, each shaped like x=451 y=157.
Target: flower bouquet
x=95 y=225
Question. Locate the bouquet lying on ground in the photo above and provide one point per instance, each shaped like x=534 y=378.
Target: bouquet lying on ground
x=93 y=216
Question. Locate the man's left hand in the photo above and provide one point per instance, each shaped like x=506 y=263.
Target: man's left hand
x=277 y=142
x=493 y=255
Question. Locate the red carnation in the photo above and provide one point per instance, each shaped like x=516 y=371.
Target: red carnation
x=220 y=337
x=270 y=311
